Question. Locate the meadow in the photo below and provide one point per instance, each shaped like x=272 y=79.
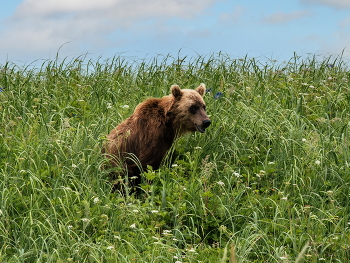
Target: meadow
x=267 y=182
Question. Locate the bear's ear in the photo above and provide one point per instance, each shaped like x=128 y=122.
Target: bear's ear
x=176 y=91
x=201 y=89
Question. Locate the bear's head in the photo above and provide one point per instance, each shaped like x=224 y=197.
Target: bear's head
x=189 y=109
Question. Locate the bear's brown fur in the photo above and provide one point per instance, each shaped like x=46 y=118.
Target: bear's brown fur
x=150 y=131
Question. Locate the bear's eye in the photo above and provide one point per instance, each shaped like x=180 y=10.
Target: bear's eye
x=193 y=109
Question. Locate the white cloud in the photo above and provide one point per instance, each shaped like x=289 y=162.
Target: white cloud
x=44 y=25
x=116 y=10
x=332 y=3
x=281 y=17
x=345 y=23
x=233 y=16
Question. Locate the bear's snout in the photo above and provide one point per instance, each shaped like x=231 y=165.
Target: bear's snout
x=206 y=124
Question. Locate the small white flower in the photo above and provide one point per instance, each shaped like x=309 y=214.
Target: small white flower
x=133 y=225
x=109 y=106
x=237 y=174
x=174 y=165
x=271 y=163
x=125 y=107
x=154 y=211
x=1 y=213
x=220 y=183
x=110 y=247
x=96 y=200
x=117 y=237
x=303 y=140
x=317 y=162
x=198 y=148
x=166 y=232
x=85 y=220
x=135 y=211
x=69 y=227
x=284 y=198
x=74 y=165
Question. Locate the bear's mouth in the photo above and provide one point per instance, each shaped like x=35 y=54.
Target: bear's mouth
x=200 y=129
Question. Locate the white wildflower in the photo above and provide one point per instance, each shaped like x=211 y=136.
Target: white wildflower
x=154 y=211
x=317 y=162
x=303 y=140
x=110 y=247
x=133 y=225
x=166 y=232
x=220 y=183
x=237 y=174
x=125 y=107
x=109 y=106
x=85 y=220
x=96 y=200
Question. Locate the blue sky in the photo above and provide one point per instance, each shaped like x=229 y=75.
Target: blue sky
x=267 y=29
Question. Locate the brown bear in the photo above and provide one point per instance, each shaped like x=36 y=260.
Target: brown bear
x=151 y=130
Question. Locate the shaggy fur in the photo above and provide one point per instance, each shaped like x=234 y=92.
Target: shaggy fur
x=151 y=130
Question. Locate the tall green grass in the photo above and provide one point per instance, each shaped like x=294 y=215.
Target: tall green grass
x=267 y=182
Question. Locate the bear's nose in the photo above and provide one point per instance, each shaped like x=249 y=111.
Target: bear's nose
x=206 y=123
